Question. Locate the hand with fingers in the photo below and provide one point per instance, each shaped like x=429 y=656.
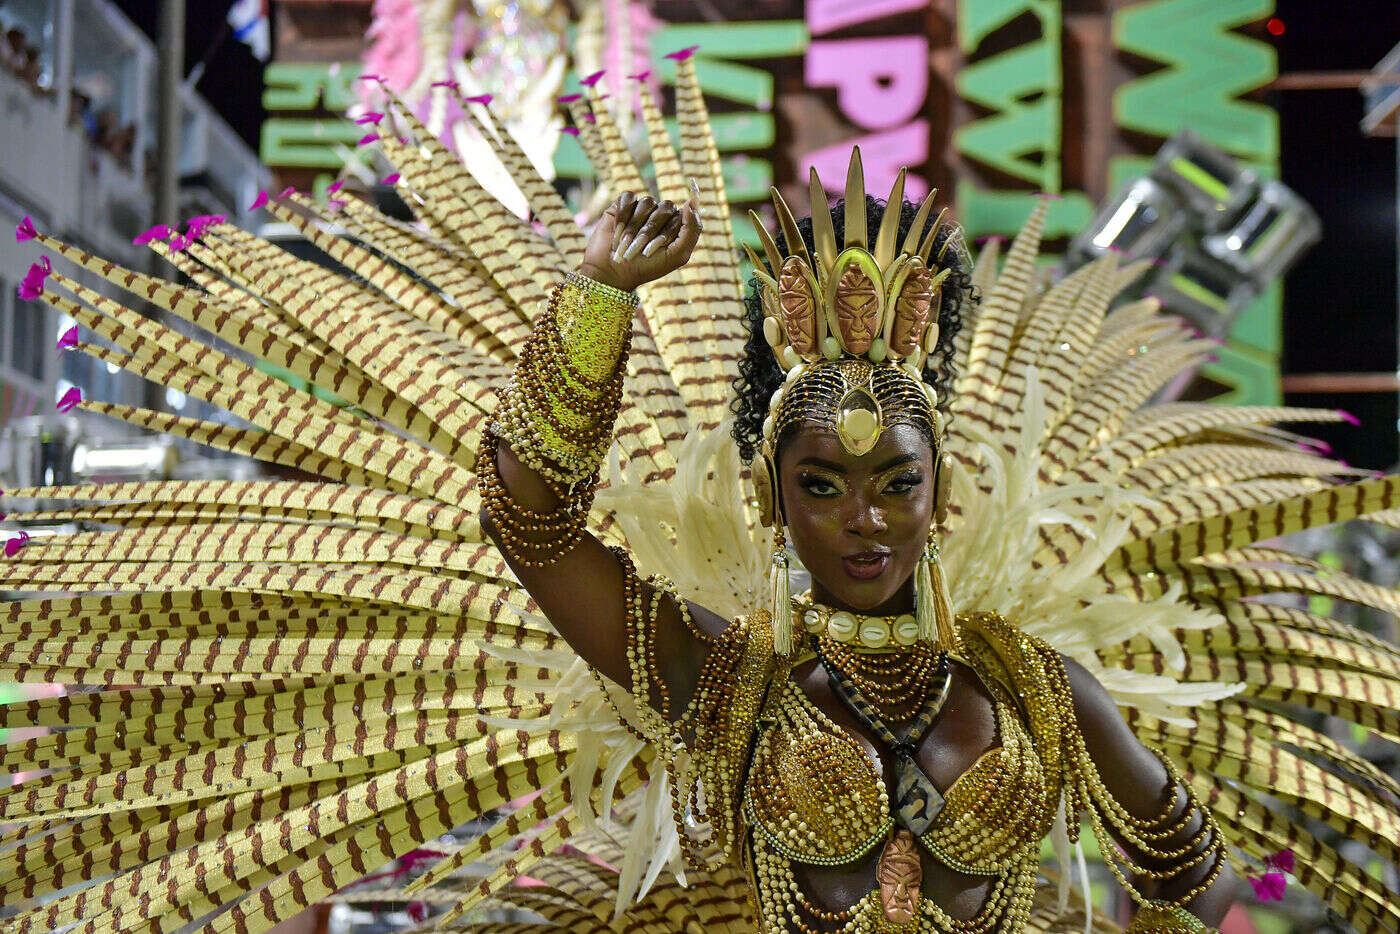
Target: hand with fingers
x=640 y=239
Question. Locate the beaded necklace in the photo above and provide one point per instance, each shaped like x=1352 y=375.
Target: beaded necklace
x=917 y=800
x=895 y=684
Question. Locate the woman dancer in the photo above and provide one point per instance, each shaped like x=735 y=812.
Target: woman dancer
x=318 y=677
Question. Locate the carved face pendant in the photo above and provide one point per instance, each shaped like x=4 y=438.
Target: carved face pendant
x=900 y=875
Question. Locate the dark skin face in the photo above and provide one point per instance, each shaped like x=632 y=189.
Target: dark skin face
x=837 y=504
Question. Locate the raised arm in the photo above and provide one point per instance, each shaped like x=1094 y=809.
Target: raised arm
x=1195 y=877
x=539 y=461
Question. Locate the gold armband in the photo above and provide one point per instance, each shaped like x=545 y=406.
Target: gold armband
x=557 y=413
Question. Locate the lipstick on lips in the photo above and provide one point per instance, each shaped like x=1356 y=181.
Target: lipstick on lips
x=866 y=565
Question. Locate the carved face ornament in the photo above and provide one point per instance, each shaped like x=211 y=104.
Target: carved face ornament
x=901 y=876
x=850 y=301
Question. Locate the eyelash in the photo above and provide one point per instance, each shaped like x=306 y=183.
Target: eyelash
x=908 y=481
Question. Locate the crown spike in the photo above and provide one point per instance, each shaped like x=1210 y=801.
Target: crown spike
x=823 y=232
x=889 y=222
x=759 y=268
x=770 y=249
x=911 y=239
x=855 y=232
x=926 y=247
x=796 y=246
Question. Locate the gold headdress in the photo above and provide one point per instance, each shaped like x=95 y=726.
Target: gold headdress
x=851 y=327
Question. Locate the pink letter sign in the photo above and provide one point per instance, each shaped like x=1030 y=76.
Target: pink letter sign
x=824 y=16
x=882 y=154
x=879 y=82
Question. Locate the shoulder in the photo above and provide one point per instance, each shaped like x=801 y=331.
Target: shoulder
x=1001 y=652
x=1094 y=707
x=1034 y=671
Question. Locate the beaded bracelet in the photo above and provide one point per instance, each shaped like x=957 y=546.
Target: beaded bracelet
x=531 y=538
x=557 y=412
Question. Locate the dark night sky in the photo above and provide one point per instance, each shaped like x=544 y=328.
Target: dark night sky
x=1340 y=300
x=232 y=80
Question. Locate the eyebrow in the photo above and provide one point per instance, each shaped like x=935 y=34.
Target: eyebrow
x=837 y=468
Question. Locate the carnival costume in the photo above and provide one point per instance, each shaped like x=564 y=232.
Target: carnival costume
x=318 y=676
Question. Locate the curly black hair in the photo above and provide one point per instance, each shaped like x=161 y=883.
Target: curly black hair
x=759 y=374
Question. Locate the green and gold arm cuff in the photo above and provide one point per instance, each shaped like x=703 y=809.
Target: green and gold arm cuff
x=558 y=411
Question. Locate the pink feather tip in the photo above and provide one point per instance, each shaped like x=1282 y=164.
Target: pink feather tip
x=286 y=192
x=70 y=400
x=988 y=238
x=1348 y=416
x=592 y=79
x=590 y=118
x=391 y=179
x=33 y=285
x=1052 y=196
x=334 y=204
x=684 y=53
x=379 y=78
x=181 y=243
x=569 y=98
x=69 y=339
x=333 y=187
x=418 y=911
x=13 y=546
x=1270 y=887
x=373 y=116
x=367 y=139
x=571 y=130
x=259 y=201
x=480 y=99
x=158 y=232
x=1283 y=859
x=640 y=76
x=25 y=230
x=445 y=84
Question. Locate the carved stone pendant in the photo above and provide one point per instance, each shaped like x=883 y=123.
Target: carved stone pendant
x=900 y=875
x=917 y=799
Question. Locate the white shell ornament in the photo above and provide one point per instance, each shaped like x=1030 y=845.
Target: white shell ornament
x=875 y=633
x=905 y=630
x=812 y=622
x=772 y=332
x=841 y=626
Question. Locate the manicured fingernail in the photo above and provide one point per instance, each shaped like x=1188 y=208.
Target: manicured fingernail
x=652 y=247
x=634 y=248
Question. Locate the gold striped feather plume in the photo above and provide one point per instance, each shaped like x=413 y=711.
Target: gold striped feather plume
x=296 y=682
x=318 y=676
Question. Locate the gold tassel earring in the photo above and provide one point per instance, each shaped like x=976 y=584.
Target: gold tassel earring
x=778 y=589
x=933 y=606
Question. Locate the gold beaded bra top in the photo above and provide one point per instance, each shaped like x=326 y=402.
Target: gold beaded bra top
x=814 y=796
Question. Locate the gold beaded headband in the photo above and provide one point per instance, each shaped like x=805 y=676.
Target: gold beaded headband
x=850 y=326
